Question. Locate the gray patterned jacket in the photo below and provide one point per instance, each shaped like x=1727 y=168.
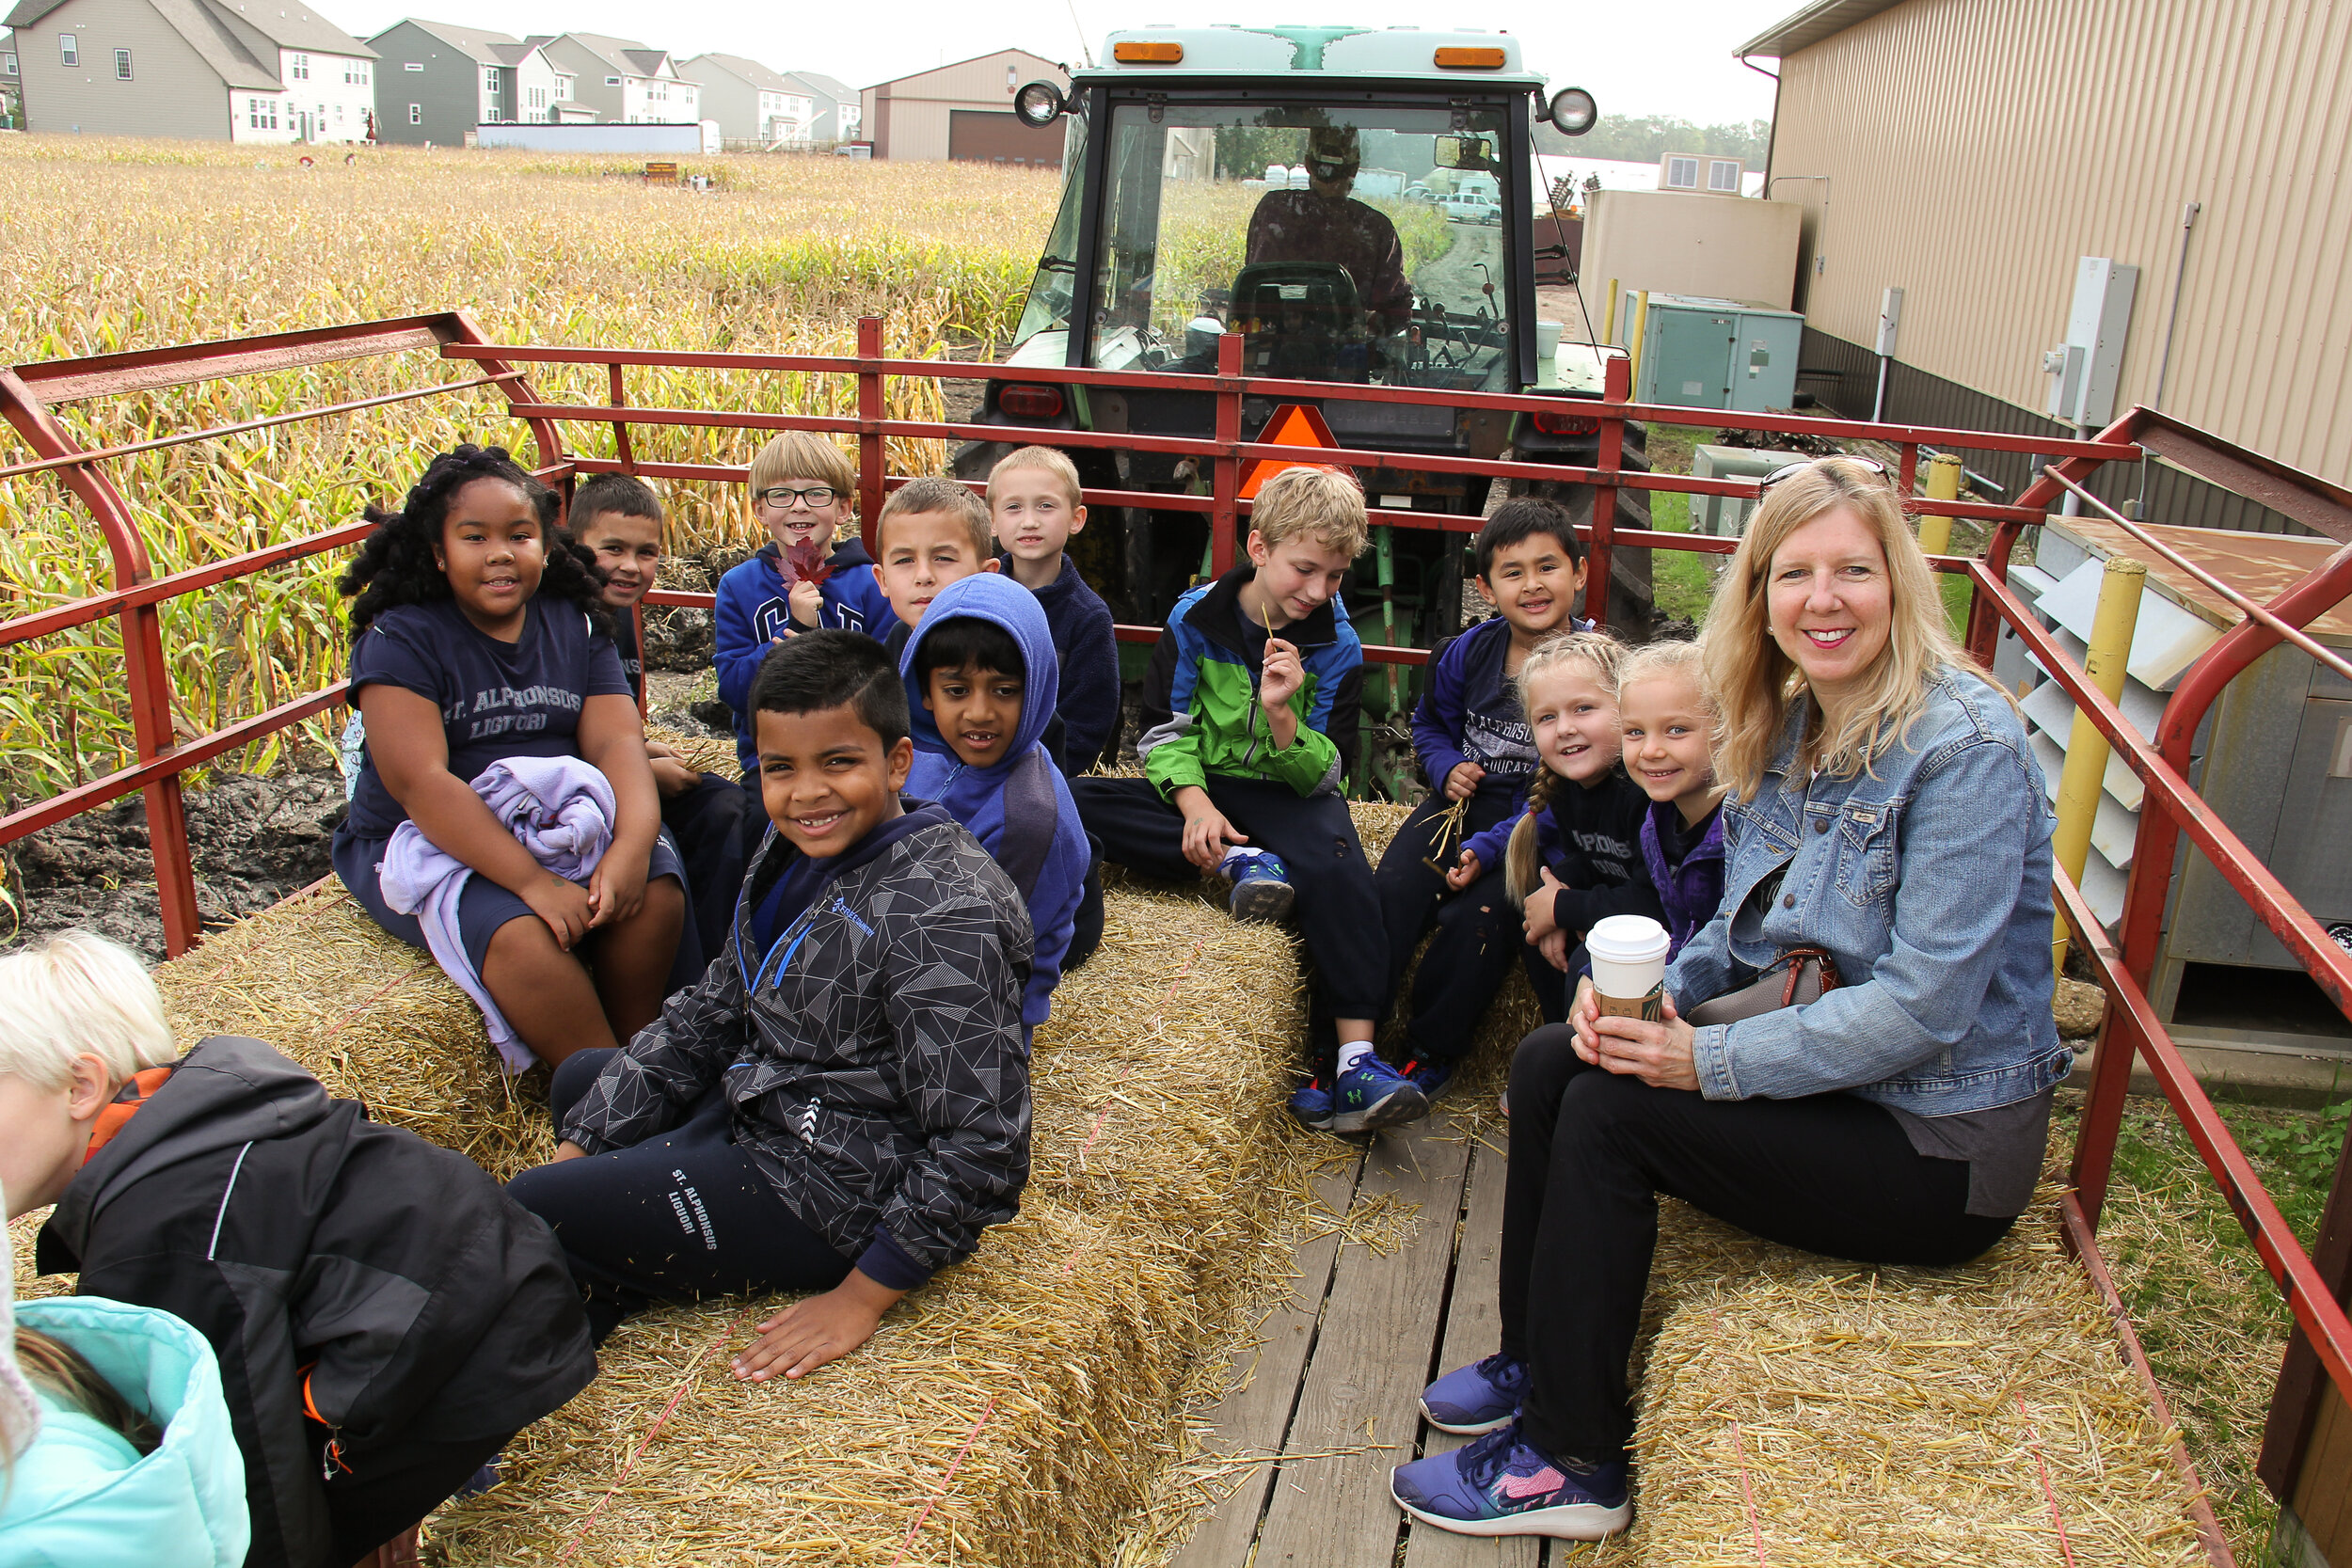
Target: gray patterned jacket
x=877 y=1071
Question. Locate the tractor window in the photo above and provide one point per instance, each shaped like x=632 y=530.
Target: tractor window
x=1361 y=245
x=1055 y=284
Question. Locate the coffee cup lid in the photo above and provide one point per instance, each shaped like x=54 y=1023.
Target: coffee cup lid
x=1628 y=939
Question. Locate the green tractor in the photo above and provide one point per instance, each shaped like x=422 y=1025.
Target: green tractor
x=1357 y=204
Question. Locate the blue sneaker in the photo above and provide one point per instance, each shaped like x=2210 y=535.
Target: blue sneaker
x=1429 y=1077
x=1261 y=888
x=1472 y=1400
x=1372 y=1095
x=1501 y=1484
x=1310 y=1105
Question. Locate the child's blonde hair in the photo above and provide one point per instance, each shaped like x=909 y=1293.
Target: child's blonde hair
x=802 y=454
x=930 y=493
x=76 y=994
x=1673 y=658
x=1327 y=502
x=1065 y=472
x=1521 y=875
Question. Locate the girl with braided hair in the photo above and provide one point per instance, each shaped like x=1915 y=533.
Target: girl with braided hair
x=498 y=722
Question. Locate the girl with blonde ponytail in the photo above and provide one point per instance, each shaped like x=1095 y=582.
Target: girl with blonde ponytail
x=1576 y=853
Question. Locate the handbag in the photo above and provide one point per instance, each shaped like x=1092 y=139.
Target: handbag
x=1800 y=976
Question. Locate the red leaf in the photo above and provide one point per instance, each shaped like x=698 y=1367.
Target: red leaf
x=804 y=562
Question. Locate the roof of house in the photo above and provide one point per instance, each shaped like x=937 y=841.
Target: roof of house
x=625 y=56
x=205 y=26
x=749 y=71
x=473 y=42
x=825 y=87
x=1820 y=20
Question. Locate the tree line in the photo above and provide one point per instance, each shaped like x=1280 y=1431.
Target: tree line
x=1647 y=138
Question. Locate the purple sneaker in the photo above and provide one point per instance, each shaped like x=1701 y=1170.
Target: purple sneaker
x=1500 y=1485
x=1474 y=1399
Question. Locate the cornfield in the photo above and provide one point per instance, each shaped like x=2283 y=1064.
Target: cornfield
x=122 y=245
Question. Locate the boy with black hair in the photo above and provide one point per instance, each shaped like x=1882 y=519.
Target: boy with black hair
x=982 y=679
x=1250 y=712
x=841 y=1104
x=385 y=1319
x=1476 y=751
x=804 y=578
x=1034 y=506
x=714 y=820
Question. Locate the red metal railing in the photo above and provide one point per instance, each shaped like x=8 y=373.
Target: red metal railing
x=2131 y=1030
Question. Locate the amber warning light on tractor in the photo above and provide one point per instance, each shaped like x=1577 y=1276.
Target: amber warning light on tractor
x=1469 y=60
x=1137 y=52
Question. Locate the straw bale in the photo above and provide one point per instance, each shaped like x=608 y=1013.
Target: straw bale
x=1802 y=1410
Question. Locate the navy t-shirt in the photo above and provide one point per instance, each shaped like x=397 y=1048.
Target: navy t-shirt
x=498 y=699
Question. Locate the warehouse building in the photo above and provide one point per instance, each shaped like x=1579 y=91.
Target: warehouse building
x=963 y=111
x=1974 y=153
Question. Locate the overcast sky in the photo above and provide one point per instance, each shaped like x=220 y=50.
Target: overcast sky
x=1672 y=58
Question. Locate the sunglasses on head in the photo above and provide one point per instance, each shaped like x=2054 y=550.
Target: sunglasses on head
x=1778 y=474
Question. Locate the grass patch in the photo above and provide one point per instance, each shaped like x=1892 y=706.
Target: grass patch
x=2214 y=1324
x=1683 y=580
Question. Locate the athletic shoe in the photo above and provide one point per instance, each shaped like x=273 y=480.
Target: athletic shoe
x=1429 y=1077
x=1505 y=1102
x=1310 y=1105
x=1501 y=1484
x=1472 y=1400
x=1262 y=889
x=1372 y=1095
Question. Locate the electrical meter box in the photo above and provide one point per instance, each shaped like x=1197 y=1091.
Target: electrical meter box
x=1718 y=353
x=2274 y=759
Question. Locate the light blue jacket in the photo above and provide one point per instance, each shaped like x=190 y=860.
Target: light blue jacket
x=1928 y=877
x=82 y=1497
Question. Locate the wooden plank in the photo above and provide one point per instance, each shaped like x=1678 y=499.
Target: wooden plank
x=1369 y=1366
x=2320 y=1492
x=1262 y=1390
x=1473 y=1330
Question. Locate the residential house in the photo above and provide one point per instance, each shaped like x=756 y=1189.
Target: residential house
x=834 y=111
x=243 y=71
x=12 y=85
x=964 y=111
x=441 y=80
x=752 y=104
x=624 y=82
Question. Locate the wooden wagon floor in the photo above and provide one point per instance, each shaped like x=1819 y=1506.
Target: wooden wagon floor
x=1332 y=1388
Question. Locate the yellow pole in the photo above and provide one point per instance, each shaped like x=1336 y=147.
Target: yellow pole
x=2087 y=748
x=1935 y=532
x=1641 y=320
x=1609 y=323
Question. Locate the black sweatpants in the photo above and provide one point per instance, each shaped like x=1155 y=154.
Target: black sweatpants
x=1590 y=1152
x=1477 y=929
x=675 y=1218
x=1339 y=911
x=711 y=822
x=379 y=1493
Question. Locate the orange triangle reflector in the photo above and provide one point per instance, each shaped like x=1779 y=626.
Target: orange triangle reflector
x=1294 y=424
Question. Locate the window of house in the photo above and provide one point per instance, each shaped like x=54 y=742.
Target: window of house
x=416 y=114
x=1682 y=174
x=122 y=65
x=261 y=114
x=413 y=65
x=490 y=79
x=1723 y=174
x=7 y=65
x=611 y=81
x=562 y=89
x=301 y=67
x=69 y=48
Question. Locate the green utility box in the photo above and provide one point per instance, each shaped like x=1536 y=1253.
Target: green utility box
x=1718 y=353
x=1727 y=516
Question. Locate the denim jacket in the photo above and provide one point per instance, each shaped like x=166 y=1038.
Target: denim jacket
x=1929 y=885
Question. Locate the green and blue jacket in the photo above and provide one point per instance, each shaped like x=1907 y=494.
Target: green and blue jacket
x=1201 y=715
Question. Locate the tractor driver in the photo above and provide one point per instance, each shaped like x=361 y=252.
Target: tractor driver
x=1322 y=223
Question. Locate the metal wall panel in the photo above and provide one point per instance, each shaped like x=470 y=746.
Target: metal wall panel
x=1970 y=150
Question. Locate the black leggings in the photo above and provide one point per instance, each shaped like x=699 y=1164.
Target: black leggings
x=1590 y=1152
x=675 y=1218
x=1478 y=929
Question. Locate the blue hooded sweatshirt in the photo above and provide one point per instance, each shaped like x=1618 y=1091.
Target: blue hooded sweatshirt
x=1006 y=805
x=754 y=609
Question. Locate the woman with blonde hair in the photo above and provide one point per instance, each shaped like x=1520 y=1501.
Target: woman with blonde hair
x=1887 y=842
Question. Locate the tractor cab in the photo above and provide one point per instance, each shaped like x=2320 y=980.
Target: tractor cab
x=1356 y=206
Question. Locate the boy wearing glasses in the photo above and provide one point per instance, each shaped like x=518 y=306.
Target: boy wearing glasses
x=801 y=579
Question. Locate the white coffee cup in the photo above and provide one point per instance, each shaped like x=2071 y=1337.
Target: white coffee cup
x=1628 y=954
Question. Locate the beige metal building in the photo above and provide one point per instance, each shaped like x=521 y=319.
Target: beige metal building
x=963 y=111
x=1971 y=151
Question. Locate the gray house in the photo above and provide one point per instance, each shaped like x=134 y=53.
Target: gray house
x=440 y=81
x=11 y=83
x=203 y=69
x=624 y=82
x=752 y=104
x=833 y=115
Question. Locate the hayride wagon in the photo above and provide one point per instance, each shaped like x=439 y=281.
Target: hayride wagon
x=1347 y=212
